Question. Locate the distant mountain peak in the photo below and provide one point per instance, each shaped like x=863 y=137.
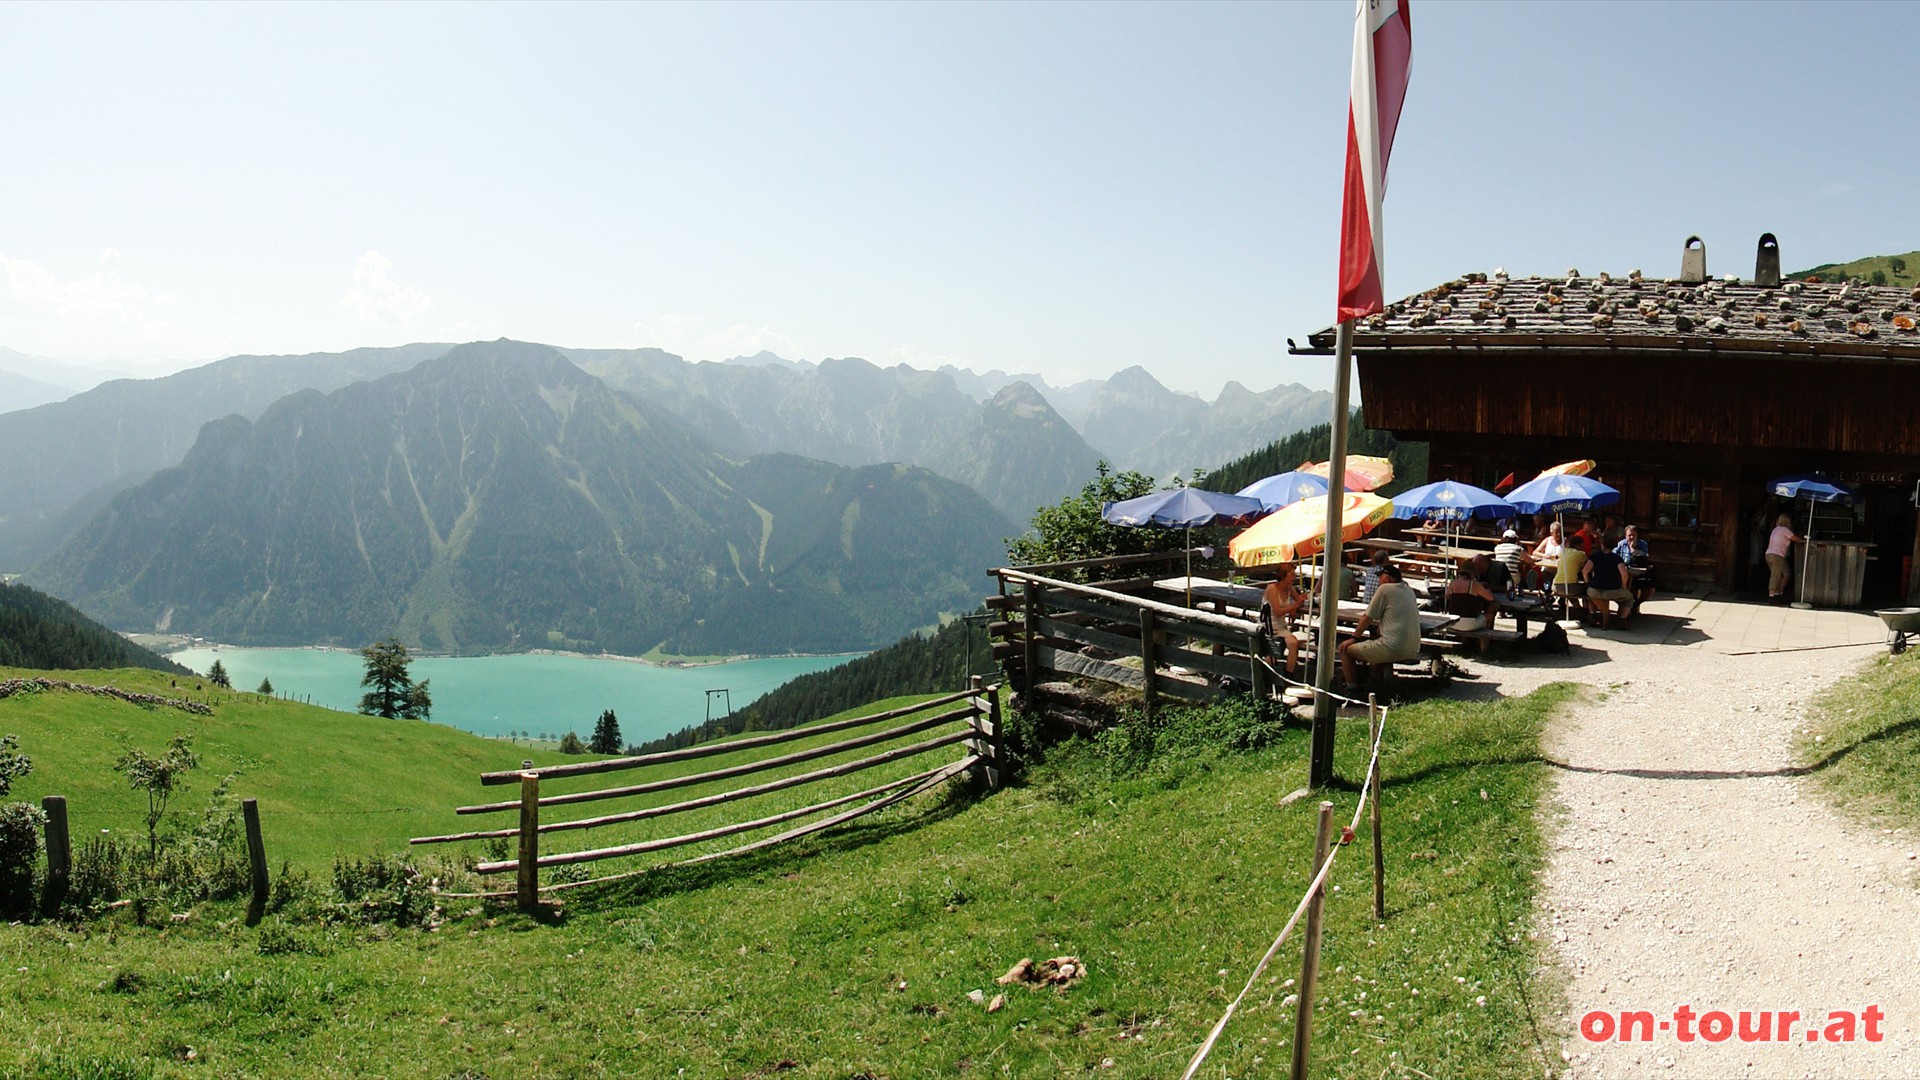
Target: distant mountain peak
x=763 y=358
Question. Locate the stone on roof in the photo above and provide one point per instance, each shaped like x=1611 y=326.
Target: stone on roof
x=1482 y=311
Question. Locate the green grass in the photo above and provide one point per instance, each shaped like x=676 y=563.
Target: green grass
x=1168 y=869
x=1863 y=738
x=1907 y=274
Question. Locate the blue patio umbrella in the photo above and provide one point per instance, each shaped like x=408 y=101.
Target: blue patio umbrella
x=1451 y=500
x=1182 y=508
x=1285 y=489
x=1811 y=486
x=1559 y=493
x=1814 y=488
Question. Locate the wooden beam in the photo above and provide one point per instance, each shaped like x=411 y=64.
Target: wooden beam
x=746 y=769
x=721 y=746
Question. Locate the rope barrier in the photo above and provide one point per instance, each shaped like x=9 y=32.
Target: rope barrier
x=1319 y=882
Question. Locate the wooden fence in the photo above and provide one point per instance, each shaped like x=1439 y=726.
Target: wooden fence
x=1053 y=627
x=976 y=708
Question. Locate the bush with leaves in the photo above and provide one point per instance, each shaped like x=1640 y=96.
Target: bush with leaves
x=20 y=826
x=570 y=744
x=159 y=777
x=1073 y=529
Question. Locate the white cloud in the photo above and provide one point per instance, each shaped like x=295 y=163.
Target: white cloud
x=98 y=297
x=686 y=336
x=376 y=297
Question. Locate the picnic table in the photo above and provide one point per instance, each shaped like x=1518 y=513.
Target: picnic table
x=1442 y=536
x=1225 y=594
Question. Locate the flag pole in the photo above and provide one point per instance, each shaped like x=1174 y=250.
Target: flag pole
x=1320 y=763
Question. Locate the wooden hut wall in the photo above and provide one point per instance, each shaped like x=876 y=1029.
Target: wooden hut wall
x=1730 y=400
x=1721 y=423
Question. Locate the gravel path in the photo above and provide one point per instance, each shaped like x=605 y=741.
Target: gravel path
x=1691 y=867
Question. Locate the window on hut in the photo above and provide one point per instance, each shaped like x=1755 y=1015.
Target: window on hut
x=1679 y=504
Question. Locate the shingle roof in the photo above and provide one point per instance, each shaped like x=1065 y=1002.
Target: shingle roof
x=1493 y=311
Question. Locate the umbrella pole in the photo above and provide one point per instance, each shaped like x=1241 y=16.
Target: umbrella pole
x=1189 y=566
x=1806 y=559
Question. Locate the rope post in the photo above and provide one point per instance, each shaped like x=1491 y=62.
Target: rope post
x=1376 y=723
x=256 y=861
x=59 y=851
x=527 y=888
x=1310 y=961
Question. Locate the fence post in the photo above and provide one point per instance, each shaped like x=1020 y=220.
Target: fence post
x=1262 y=685
x=527 y=888
x=256 y=860
x=996 y=740
x=1310 y=962
x=1030 y=597
x=1146 y=662
x=1375 y=723
x=977 y=746
x=59 y=851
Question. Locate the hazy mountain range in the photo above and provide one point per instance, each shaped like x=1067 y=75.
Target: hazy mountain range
x=497 y=498
x=1020 y=450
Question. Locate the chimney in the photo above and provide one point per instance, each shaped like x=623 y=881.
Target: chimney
x=1693 y=261
x=1766 y=264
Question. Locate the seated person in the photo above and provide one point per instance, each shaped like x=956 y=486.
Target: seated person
x=1608 y=582
x=1547 y=552
x=1370 y=575
x=1468 y=597
x=1278 y=605
x=1567 y=579
x=1512 y=554
x=1631 y=549
x=1587 y=539
x=1395 y=616
x=1499 y=580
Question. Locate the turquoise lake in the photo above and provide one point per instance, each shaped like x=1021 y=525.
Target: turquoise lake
x=493 y=695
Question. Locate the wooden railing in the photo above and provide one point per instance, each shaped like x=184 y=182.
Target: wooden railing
x=1047 y=625
x=977 y=708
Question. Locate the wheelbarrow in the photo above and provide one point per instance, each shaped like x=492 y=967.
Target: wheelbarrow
x=1900 y=621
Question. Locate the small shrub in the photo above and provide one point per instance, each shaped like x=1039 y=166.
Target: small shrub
x=570 y=743
x=279 y=939
x=100 y=873
x=20 y=826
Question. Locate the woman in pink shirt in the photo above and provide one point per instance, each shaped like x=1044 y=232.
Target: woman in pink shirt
x=1779 y=551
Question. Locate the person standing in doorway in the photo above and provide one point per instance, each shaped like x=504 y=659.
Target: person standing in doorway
x=1779 y=554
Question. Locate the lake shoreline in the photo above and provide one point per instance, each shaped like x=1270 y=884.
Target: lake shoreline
x=674 y=664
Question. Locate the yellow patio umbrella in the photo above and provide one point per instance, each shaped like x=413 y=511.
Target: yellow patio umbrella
x=1363 y=473
x=1569 y=468
x=1300 y=529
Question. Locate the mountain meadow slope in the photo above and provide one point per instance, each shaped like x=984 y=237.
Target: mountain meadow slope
x=499 y=498
x=1162 y=856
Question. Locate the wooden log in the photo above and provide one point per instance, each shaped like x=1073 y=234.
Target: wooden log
x=1232 y=667
x=527 y=886
x=1168 y=557
x=1072 y=663
x=59 y=852
x=256 y=861
x=1257 y=673
x=664 y=843
x=1031 y=668
x=586 y=768
x=1188 y=618
x=1146 y=662
x=1086 y=635
x=1007 y=650
x=977 y=746
x=1001 y=629
x=997 y=741
x=931 y=782
x=732 y=771
x=999 y=603
x=716 y=799
x=1310 y=961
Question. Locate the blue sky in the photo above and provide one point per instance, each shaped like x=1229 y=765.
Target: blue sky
x=1061 y=188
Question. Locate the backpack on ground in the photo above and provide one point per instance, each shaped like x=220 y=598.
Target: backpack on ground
x=1552 y=638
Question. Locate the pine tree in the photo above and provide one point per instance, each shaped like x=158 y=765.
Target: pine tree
x=266 y=687
x=394 y=694
x=606 y=734
x=217 y=675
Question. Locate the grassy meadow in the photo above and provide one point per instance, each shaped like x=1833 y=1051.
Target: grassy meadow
x=1863 y=737
x=1163 y=857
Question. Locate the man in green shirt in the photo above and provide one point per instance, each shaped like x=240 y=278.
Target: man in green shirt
x=1396 y=615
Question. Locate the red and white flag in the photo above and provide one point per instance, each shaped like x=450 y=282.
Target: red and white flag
x=1382 y=53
